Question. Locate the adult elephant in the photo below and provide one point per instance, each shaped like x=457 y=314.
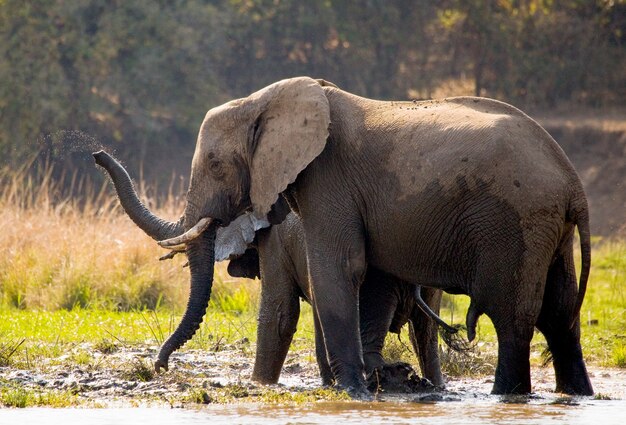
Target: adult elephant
x=465 y=194
x=276 y=255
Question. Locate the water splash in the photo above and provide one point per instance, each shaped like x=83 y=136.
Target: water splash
x=63 y=144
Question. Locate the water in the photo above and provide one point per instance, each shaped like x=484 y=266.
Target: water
x=487 y=409
x=63 y=143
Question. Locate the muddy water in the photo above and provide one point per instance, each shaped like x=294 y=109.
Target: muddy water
x=487 y=410
x=466 y=400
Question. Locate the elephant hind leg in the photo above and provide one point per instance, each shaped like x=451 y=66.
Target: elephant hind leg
x=513 y=369
x=511 y=297
x=554 y=322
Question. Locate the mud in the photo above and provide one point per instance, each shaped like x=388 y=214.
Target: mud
x=124 y=378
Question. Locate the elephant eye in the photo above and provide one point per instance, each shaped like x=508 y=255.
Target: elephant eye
x=215 y=166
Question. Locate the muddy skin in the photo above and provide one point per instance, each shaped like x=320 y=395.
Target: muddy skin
x=398 y=377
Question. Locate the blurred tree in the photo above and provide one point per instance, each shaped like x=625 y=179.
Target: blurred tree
x=139 y=76
x=130 y=73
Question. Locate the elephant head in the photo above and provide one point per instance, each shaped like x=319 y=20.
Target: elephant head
x=249 y=150
x=231 y=241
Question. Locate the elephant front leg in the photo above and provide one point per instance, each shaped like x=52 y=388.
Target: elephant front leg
x=278 y=317
x=335 y=281
x=378 y=302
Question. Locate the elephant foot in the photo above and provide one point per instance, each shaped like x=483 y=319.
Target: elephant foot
x=508 y=387
x=359 y=393
x=576 y=385
x=397 y=377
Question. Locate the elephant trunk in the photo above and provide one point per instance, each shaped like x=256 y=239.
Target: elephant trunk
x=154 y=226
x=200 y=253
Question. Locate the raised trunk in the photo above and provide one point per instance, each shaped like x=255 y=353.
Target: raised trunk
x=200 y=253
x=154 y=226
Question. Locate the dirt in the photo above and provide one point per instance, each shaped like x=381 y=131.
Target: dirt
x=595 y=143
x=124 y=378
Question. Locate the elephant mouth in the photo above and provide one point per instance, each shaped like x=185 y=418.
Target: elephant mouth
x=179 y=243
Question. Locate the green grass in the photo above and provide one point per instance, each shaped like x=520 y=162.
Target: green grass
x=242 y=393
x=30 y=335
x=51 y=334
x=15 y=396
x=603 y=314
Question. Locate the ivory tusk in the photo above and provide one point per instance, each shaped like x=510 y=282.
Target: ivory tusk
x=177 y=243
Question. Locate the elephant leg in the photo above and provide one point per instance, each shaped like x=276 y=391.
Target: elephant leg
x=511 y=294
x=513 y=369
x=378 y=301
x=279 y=312
x=555 y=323
x=423 y=332
x=336 y=270
x=320 y=353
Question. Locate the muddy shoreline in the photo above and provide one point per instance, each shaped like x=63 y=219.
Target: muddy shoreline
x=124 y=378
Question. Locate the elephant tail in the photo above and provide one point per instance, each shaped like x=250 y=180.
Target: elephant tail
x=582 y=222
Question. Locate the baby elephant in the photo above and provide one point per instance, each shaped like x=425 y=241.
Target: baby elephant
x=276 y=254
x=278 y=258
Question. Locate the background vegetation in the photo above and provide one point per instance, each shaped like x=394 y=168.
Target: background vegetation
x=138 y=76
x=82 y=272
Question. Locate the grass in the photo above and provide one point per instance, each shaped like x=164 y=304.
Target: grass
x=7 y=350
x=15 y=396
x=139 y=370
x=78 y=272
x=241 y=393
x=65 y=252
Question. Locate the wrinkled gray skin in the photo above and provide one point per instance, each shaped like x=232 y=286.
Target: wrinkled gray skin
x=465 y=194
x=386 y=304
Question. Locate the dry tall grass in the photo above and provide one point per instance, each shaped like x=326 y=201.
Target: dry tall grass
x=65 y=252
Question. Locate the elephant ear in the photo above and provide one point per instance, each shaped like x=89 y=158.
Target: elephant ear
x=235 y=239
x=290 y=131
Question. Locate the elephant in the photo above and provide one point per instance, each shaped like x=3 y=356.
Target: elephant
x=465 y=194
x=278 y=258
x=276 y=255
